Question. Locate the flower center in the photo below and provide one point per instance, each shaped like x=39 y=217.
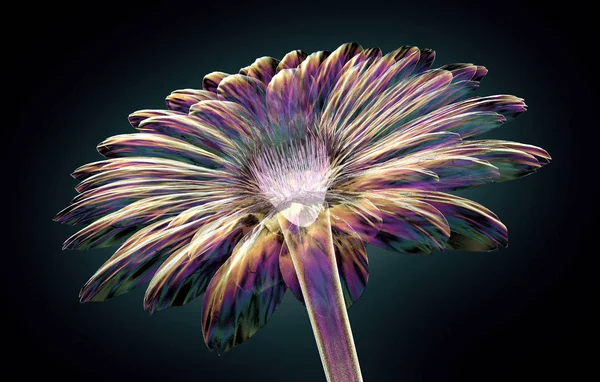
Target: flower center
x=294 y=178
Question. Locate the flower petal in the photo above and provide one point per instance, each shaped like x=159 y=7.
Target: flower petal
x=473 y=163
x=355 y=91
x=100 y=173
x=190 y=129
x=358 y=216
x=329 y=71
x=231 y=118
x=248 y=92
x=136 y=261
x=187 y=272
x=288 y=105
x=211 y=81
x=263 y=69
x=352 y=264
x=155 y=145
x=137 y=117
x=244 y=292
x=97 y=202
x=409 y=226
x=473 y=227
x=426 y=58
x=468 y=118
x=394 y=106
x=182 y=100
x=291 y=60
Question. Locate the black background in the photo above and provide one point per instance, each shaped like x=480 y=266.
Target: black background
x=524 y=312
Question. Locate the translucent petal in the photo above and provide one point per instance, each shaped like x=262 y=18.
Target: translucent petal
x=248 y=92
x=211 y=81
x=291 y=60
x=182 y=100
x=244 y=292
x=187 y=272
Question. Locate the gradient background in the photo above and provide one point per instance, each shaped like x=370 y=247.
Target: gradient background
x=522 y=312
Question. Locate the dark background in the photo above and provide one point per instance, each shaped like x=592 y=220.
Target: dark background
x=523 y=312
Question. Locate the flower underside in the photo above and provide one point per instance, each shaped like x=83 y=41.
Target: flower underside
x=275 y=178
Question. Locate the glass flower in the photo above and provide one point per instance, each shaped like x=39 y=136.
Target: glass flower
x=275 y=178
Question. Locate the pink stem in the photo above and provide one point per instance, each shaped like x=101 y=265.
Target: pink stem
x=312 y=252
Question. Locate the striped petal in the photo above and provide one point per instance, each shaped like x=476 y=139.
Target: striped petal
x=116 y=226
x=155 y=145
x=472 y=163
x=394 y=106
x=211 y=81
x=468 y=118
x=248 y=92
x=244 y=292
x=352 y=264
x=473 y=227
x=136 y=261
x=100 y=173
x=409 y=226
x=230 y=118
x=187 y=272
x=355 y=91
x=263 y=69
x=182 y=100
x=358 y=216
x=190 y=129
x=288 y=104
x=329 y=71
x=426 y=59
x=136 y=118
x=100 y=201
x=291 y=60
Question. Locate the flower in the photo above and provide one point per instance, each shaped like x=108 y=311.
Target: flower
x=276 y=177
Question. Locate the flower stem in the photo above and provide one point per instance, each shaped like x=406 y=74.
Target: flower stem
x=312 y=252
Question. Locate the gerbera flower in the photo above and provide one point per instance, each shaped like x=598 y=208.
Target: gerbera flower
x=275 y=178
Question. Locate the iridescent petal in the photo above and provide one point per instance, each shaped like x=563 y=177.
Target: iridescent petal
x=352 y=264
x=291 y=60
x=100 y=173
x=211 y=81
x=288 y=104
x=190 y=129
x=136 y=118
x=473 y=227
x=395 y=105
x=155 y=145
x=355 y=91
x=136 y=261
x=472 y=163
x=244 y=292
x=426 y=59
x=263 y=69
x=187 y=272
x=100 y=201
x=230 y=118
x=329 y=71
x=358 y=216
x=248 y=92
x=468 y=118
x=409 y=225
x=182 y=100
